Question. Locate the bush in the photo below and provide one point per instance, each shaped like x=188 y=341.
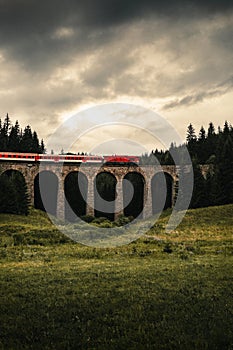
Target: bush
x=87 y=218
x=99 y=220
x=106 y=224
x=123 y=220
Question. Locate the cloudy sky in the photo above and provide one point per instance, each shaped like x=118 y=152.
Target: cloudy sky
x=60 y=57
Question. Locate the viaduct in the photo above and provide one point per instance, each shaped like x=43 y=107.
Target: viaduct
x=31 y=171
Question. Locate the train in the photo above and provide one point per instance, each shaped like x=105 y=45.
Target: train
x=70 y=158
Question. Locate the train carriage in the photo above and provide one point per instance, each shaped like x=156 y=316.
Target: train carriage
x=69 y=158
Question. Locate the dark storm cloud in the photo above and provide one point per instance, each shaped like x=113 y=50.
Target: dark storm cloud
x=57 y=56
x=27 y=26
x=21 y=15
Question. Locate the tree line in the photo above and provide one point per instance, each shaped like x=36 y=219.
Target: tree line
x=213 y=147
x=15 y=139
x=13 y=189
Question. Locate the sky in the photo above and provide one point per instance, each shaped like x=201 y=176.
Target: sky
x=58 y=58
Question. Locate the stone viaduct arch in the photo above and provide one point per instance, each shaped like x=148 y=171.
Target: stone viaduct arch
x=75 y=200
x=135 y=207
x=48 y=182
x=31 y=170
x=158 y=181
x=105 y=188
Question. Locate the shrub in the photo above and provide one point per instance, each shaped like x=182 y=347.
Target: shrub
x=123 y=220
x=87 y=218
x=99 y=220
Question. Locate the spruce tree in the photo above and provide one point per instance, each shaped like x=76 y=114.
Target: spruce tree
x=26 y=144
x=199 y=188
x=42 y=147
x=191 y=141
x=226 y=169
x=4 y=134
x=201 y=147
x=22 y=199
x=14 y=138
x=8 y=203
x=35 y=143
x=15 y=199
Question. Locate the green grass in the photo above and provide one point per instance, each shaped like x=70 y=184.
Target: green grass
x=164 y=291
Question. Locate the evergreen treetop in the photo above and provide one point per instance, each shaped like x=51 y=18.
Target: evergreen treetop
x=13 y=139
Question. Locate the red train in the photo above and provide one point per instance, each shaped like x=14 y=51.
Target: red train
x=69 y=158
x=121 y=160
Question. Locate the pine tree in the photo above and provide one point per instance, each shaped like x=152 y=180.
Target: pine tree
x=7 y=198
x=191 y=141
x=202 y=135
x=42 y=147
x=201 y=147
x=226 y=169
x=213 y=188
x=35 y=143
x=211 y=141
x=211 y=130
x=7 y=124
x=15 y=199
x=22 y=199
x=4 y=134
x=14 y=138
x=191 y=137
x=26 y=144
x=199 y=189
x=226 y=129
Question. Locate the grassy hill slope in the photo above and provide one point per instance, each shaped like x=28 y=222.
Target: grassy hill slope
x=164 y=291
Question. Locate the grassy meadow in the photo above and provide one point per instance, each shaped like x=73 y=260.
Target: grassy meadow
x=163 y=291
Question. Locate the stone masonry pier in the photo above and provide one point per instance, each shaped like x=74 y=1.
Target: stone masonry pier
x=30 y=170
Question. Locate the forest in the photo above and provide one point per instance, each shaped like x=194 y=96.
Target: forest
x=14 y=139
x=13 y=189
x=213 y=147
